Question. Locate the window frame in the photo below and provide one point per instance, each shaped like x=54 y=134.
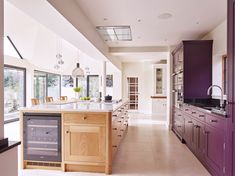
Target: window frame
x=47 y=80
x=25 y=87
x=87 y=83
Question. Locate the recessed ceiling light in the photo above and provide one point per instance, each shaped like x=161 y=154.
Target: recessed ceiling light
x=139 y=20
x=115 y=33
x=105 y=19
x=197 y=22
x=165 y=16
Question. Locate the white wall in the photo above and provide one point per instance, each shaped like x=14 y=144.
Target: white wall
x=219 y=37
x=144 y=72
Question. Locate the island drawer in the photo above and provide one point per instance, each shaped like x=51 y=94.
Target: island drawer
x=80 y=118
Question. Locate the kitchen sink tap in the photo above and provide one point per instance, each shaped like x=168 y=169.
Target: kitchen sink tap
x=222 y=95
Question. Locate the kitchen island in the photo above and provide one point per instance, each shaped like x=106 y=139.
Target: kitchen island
x=73 y=136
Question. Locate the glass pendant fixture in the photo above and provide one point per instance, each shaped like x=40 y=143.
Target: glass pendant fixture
x=77 y=72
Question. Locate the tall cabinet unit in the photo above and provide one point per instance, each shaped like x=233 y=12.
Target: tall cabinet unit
x=230 y=137
x=159 y=98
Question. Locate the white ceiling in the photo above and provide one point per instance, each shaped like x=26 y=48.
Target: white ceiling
x=191 y=19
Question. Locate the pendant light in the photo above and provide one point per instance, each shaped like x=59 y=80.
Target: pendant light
x=78 y=72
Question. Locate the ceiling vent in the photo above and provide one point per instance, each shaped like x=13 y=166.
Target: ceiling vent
x=115 y=33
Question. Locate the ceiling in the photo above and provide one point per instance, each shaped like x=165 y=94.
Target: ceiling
x=190 y=19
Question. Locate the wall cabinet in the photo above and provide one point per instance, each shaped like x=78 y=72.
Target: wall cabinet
x=159 y=80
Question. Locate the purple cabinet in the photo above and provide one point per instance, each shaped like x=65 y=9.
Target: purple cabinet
x=214 y=150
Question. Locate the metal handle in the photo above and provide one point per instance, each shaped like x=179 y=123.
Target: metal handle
x=119 y=135
x=179 y=126
x=201 y=115
x=114 y=146
x=214 y=121
x=114 y=128
x=122 y=130
x=186 y=109
x=190 y=122
x=119 y=121
x=193 y=112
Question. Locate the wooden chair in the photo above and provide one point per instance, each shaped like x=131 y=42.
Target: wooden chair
x=63 y=98
x=49 y=99
x=35 y=101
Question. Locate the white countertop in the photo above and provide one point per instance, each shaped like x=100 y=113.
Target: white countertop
x=76 y=107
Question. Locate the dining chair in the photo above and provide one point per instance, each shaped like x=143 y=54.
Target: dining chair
x=63 y=98
x=35 y=101
x=49 y=99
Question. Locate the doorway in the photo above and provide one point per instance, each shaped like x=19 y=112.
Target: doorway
x=133 y=94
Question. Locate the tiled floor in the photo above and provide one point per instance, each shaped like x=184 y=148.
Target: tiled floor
x=148 y=149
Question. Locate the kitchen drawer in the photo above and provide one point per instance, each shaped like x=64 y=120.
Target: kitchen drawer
x=215 y=121
x=84 y=118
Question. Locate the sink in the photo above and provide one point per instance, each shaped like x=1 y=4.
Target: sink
x=219 y=111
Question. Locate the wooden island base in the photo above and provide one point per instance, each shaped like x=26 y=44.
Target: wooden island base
x=89 y=140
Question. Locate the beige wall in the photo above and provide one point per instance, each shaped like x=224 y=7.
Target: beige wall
x=219 y=37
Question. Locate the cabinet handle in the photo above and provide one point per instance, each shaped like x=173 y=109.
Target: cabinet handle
x=122 y=117
x=67 y=132
x=119 y=135
x=193 y=112
x=114 y=146
x=122 y=130
x=190 y=122
x=179 y=126
x=186 y=109
x=84 y=118
x=201 y=115
x=115 y=115
x=206 y=132
x=119 y=121
x=114 y=128
x=214 y=121
x=179 y=115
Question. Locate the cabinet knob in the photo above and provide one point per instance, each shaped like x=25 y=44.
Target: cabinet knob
x=114 y=128
x=67 y=132
x=214 y=121
x=84 y=118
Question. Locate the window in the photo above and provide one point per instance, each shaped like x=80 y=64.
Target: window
x=224 y=73
x=46 y=84
x=14 y=91
x=90 y=85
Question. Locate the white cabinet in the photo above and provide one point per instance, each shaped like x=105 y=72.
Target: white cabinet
x=159 y=80
x=159 y=106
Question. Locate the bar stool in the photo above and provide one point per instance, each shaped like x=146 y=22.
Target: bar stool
x=63 y=98
x=35 y=101
x=49 y=99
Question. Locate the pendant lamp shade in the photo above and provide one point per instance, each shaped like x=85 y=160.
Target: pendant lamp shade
x=77 y=72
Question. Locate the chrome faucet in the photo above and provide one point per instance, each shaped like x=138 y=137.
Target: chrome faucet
x=222 y=94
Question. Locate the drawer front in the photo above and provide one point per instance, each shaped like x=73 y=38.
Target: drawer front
x=215 y=121
x=84 y=118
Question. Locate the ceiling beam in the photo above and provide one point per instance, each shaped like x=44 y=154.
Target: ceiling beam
x=152 y=49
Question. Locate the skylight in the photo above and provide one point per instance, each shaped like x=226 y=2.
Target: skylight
x=115 y=33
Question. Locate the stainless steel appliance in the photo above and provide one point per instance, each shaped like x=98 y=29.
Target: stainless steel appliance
x=42 y=137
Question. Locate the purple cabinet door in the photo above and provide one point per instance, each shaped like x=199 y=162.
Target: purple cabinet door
x=230 y=136
x=200 y=140
x=214 y=150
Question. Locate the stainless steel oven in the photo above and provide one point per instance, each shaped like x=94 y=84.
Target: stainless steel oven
x=42 y=137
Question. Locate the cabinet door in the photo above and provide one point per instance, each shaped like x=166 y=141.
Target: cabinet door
x=214 y=151
x=200 y=139
x=189 y=132
x=84 y=143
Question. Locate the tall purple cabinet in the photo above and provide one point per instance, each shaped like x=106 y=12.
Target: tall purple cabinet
x=230 y=137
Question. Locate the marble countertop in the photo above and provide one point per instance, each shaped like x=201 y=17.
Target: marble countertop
x=79 y=106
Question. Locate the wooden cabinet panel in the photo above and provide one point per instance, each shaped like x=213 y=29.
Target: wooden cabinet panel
x=84 y=143
x=214 y=149
x=84 y=118
x=200 y=139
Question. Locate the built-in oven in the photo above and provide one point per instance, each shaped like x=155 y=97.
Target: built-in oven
x=42 y=137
